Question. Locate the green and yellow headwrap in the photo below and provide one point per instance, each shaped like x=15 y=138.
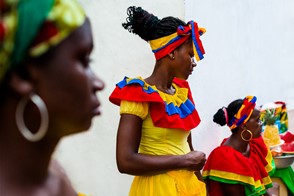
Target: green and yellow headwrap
x=32 y=27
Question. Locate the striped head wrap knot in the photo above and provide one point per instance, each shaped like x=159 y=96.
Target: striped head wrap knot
x=244 y=113
x=165 y=45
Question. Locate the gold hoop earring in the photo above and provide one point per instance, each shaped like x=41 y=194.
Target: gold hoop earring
x=44 y=118
x=251 y=135
x=172 y=56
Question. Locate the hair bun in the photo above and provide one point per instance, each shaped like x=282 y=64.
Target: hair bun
x=219 y=117
x=141 y=22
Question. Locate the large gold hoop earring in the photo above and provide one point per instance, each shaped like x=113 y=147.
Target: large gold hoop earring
x=33 y=137
x=251 y=135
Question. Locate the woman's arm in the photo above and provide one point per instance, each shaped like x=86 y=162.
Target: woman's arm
x=131 y=162
x=197 y=172
x=190 y=142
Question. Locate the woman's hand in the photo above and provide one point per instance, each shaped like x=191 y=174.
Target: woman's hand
x=195 y=160
x=130 y=161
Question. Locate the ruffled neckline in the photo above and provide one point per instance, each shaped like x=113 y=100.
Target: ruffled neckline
x=169 y=111
x=179 y=97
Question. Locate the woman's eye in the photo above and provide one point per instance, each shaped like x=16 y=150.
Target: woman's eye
x=86 y=60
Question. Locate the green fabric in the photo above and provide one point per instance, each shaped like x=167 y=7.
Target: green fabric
x=270 y=173
x=287 y=176
x=249 y=189
x=31 y=15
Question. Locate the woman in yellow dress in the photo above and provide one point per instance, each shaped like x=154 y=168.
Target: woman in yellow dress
x=157 y=113
x=47 y=91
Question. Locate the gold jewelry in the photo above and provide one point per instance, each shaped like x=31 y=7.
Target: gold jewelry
x=251 y=135
x=172 y=56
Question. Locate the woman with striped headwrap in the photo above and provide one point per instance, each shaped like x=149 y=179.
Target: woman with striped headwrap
x=242 y=163
x=47 y=91
x=157 y=113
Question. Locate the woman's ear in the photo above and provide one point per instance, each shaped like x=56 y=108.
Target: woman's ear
x=19 y=85
x=242 y=127
x=172 y=55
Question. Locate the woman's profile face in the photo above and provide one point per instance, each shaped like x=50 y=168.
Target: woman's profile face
x=253 y=124
x=185 y=60
x=68 y=85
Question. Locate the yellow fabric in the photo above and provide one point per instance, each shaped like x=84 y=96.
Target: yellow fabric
x=173 y=183
x=160 y=42
x=136 y=108
x=141 y=108
x=249 y=105
x=67 y=16
x=238 y=177
x=82 y=194
x=162 y=141
x=180 y=96
x=6 y=45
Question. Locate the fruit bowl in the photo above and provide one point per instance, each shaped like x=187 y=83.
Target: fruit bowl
x=287 y=148
x=275 y=146
x=283 y=161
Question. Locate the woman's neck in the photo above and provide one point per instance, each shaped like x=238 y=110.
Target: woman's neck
x=238 y=144
x=21 y=161
x=161 y=78
x=25 y=162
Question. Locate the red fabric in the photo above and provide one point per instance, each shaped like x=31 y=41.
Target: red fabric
x=2 y=32
x=157 y=106
x=225 y=158
x=47 y=31
x=169 y=48
x=214 y=188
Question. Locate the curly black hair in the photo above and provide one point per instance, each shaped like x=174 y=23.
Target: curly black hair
x=148 y=26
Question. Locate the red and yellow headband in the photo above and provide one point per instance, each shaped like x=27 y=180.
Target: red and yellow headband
x=244 y=113
x=165 y=45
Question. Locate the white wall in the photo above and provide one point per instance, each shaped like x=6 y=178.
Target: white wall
x=89 y=158
x=249 y=51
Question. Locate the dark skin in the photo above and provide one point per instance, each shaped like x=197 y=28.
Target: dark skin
x=235 y=141
x=176 y=64
x=27 y=168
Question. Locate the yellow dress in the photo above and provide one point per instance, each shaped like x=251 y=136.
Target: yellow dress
x=162 y=141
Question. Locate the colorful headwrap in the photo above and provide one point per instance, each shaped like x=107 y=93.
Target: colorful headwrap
x=165 y=45
x=244 y=113
x=31 y=27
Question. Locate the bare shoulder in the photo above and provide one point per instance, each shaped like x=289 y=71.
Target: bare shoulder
x=58 y=180
x=56 y=183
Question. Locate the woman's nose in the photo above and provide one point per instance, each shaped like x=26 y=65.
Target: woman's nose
x=98 y=84
x=193 y=61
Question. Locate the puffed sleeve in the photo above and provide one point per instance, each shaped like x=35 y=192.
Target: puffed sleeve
x=136 y=108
